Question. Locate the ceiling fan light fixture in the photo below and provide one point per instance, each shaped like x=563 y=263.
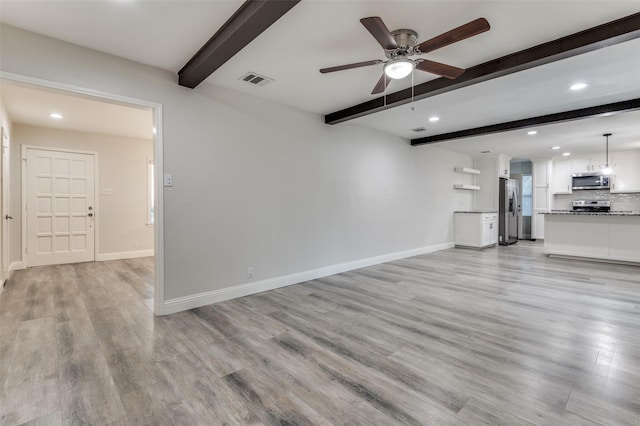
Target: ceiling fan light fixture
x=399 y=68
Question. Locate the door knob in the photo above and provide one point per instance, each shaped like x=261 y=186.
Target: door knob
x=6 y=216
x=90 y=215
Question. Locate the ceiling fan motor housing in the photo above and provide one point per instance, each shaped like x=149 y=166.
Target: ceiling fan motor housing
x=406 y=40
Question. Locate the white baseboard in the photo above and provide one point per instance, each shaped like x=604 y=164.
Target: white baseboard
x=123 y=255
x=14 y=266
x=207 y=298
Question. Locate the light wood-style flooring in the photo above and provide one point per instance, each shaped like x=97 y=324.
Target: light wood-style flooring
x=504 y=336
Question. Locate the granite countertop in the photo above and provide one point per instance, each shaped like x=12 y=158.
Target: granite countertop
x=613 y=213
x=477 y=211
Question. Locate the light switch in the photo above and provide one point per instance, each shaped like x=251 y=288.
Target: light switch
x=168 y=179
x=107 y=191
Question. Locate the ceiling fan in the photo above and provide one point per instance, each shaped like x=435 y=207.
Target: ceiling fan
x=399 y=45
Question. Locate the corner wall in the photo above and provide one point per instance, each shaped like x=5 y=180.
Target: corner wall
x=261 y=185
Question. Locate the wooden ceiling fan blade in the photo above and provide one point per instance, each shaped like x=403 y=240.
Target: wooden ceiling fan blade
x=349 y=66
x=448 y=71
x=467 y=30
x=381 y=85
x=380 y=32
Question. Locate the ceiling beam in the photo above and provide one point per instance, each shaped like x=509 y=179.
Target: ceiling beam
x=614 y=32
x=247 y=23
x=576 y=114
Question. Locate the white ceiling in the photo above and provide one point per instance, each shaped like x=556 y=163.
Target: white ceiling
x=321 y=33
x=32 y=106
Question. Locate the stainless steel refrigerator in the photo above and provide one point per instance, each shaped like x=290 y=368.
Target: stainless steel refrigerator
x=509 y=211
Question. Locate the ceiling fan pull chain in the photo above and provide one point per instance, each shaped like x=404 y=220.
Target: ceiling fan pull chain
x=412 y=86
x=385 y=91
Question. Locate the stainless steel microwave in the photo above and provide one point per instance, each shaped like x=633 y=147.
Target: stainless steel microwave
x=590 y=181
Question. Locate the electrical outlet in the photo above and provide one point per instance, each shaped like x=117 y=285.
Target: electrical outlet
x=168 y=179
x=250 y=272
x=136 y=244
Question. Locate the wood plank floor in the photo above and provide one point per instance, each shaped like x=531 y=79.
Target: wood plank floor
x=504 y=336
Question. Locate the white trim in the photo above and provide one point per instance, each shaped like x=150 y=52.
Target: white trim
x=5 y=209
x=158 y=149
x=100 y=257
x=207 y=298
x=34 y=81
x=150 y=182
x=158 y=228
x=586 y=258
x=15 y=266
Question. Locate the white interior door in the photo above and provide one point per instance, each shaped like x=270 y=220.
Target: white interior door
x=5 y=214
x=60 y=214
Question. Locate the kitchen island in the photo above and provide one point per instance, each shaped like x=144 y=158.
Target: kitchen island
x=612 y=237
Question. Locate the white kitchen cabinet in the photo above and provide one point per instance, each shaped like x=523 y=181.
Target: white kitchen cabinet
x=504 y=166
x=626 y=173
x=475 y=229
x=590 y=164
x=562 y=179
x=542 y=196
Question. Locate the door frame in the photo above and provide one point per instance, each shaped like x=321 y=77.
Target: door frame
x=4 y=208
x=23 y=163
x=158 y=160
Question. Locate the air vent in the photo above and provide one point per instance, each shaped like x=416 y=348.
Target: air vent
x=257 y=79
x=419 y=129
x=485 y=152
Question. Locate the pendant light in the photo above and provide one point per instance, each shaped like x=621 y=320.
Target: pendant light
x=607 y=168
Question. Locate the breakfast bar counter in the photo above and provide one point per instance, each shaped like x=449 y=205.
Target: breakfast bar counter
x=612 y=236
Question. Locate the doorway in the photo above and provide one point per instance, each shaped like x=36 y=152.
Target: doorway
x=522 y=172
x=70 y=214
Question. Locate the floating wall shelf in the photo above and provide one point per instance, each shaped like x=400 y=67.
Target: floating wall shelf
x=470 y=187
x=468 y=170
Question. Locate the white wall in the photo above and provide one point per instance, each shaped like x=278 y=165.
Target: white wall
x=487 y=197
x=122 y=166
x=258 y=184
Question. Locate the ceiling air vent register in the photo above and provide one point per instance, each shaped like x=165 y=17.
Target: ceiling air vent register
x=419 y=129
x=257 y=79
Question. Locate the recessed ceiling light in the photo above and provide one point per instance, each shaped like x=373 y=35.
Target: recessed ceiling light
x=434 y=119
x=532 y=132
x=56 y=115
x=555 y=147
x=578 y=86
x=566 y=154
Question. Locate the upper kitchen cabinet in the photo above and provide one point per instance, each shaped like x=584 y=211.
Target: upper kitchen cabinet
x=561 y=182
x=589 y=164
x=626 y=173
x=504 y=166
